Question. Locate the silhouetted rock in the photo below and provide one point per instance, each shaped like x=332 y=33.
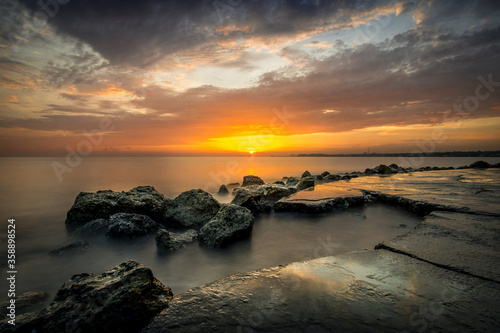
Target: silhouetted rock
x=223 y=190
x=306 y=174
x=279 y=182
x=324 y=174
x=130 y=225
x=73 y=248
x=191 y=209
x=292 y=181
x=370 y=171
x=252 y=180
x=480 y=165
x=123 y=299
x=231 y=223
x=102 y=204
x=171 y=241
x=94 y=227
x=332 y=178
x=305 y=182
x=385 y=170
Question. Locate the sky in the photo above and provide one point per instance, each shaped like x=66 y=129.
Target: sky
x=233 y=77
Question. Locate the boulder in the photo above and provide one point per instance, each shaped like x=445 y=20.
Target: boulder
x=73 y=248
x=231 y=223
x=292 y=181
x=130 y=225
x=260 y=199
x=252 y=180
x=171 y=241
x=394 y=166
x=191 y=209
x=305 y=182
x=324 y=174
x=223 y=190
x=332 y=178
x=94 y=227
x=123 y=299
x=370 y=171
x=480 y=165
x=385 y=170
x=306 y=174
x=102 y=204
x=279 y=182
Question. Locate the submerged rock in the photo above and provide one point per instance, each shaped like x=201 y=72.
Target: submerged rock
x=223 y=190
x=191 y=209
x=260 y=199
x=370 y=171
x=306 y=182
x=171 y=241
x=292 y=181
x=252 y=180
x=480 y=165
x=386 y=170
x=306 y=174
x=332 y=178
x=130 y=225
x=231 y=223
x=123 y=299
x=94 y=227
x=324 y=174
x=73 y=248
x=102 y=204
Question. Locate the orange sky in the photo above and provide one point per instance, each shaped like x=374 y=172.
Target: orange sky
x=273 y=78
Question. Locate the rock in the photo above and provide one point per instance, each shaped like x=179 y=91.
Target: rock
x=191 y=209
x=94 y=227
x=260 y=199
x=292 y=181
x=370 y=171
x=318 y=177
x=324 y=174
x=233 y=184
x=73 y=248
x=130 y=225
x=223 y=190
x=279 y=182
x=123 y=299
x=394 y=166
x=480 y=165
x=401 y=170
x=332 y=178
x=496 y=165
x=102 y=204
x=320 y=206
x=230 y=224
x=385 y=170
x=252 y=180
x=305 y=182
x=171 y=241
x=306 y=174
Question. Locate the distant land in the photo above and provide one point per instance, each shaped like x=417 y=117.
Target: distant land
x=495 y=153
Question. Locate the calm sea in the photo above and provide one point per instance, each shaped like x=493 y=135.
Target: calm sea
x=38 y=198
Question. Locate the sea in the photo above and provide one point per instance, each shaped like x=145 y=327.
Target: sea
x=38 y=191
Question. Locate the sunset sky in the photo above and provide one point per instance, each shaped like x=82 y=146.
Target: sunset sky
x=233 y=76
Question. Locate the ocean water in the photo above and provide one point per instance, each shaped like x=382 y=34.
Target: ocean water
x=38 y=197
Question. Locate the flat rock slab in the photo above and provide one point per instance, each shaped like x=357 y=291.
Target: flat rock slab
x=462 y=242
x=365 y=291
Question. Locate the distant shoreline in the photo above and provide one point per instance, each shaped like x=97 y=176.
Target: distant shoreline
x=495 y=153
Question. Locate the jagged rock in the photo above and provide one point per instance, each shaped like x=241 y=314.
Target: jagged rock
x=231 y=223
x=94 y=227
x=260 y=199
x=252 y=180
x=332 y=178
x=480 y=165
x=292 y=181
x=324 y=174
x=385 y=170
x=171 y=241
x=191 y=209
x=223 y=190
x=123 y=299
x=305 y=182
x=306 y=174
x=73 y=248
x=370 y=171
x=102 y=204
x=130 y=225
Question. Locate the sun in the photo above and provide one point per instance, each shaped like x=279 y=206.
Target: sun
x=251 y=152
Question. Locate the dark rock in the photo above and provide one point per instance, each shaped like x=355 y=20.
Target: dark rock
x=279 y=182
x=102 y=204
x=94 y=227
x=306 y=174
x=324 y=174
x=123 y=299
x=318 y=177
x=130 y=225
x=401 y=170
x=385 y=170
x=260 y=199
x=496 y=165
x=231 y=223
x=332 y=178
x=305 y=182
x=252 y=180
x=394 y=166
x=435 y=168
x=191 y=209
x=320 y=206
x=73 y=248
x=292 y=181
x=233 y=184
x=345 y=177
x=480 y=165
x=223 y=190
x=370 y=171
x=171 y=241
